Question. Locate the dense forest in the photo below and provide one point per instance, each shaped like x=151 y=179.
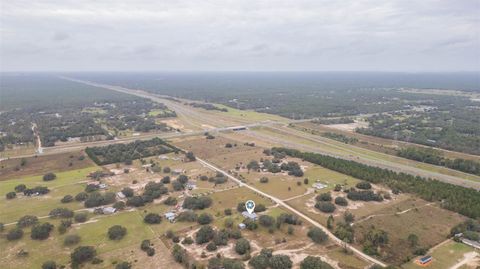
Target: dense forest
x=435 y=157
x=127 y=152
x=456 y=198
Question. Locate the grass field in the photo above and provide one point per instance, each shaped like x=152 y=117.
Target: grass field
x=430 y=223
x=69 y=182
x=13 y=168
x=445 y=256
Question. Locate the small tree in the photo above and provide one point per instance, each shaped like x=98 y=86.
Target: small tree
x=80 y=197
x=83 y=254
x=71 y=239
x=317 y=235
x=67 y=199
x=81 y=217
x=305 y=181
x=341 y=201
x=49 y=265
x=242 y=246
x=41 y=231
x=190 y=156
x=204 y=235
x=280 y=262
x=266 y=220
x=325 y=207
x=123 y=265
x=20 y=188
x=311 y=262
x=264 y=180
x=117 y=232
x=211 y=246
x=27 y=220
x=128 y=192
x=330 y=221
x=11 y=195
x=204 y=218
x=412 y=240
x=14 y=234
x=49 y=177
x=152 y=218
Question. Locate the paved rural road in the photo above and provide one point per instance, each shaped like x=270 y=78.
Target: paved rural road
x=282 y=203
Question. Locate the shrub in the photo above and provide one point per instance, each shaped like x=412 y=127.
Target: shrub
x=116 y=232
x=227 y=212
x=14 y=234
x=264 y=180
x=150 y=252
x=338 y=187
x=167 y=169
x=71 y=239
x=81 y=217
x=187 y=241
x=205 y=218
x=152 y=218
x=20 y=188
x=49 y=265
x=119 y=205
x=67 y=199
x=317 y=235
x=123 y=265
x=364 y=185
x=64 y=225
x=211 y=246
x=91 y=187
x=260 y=208
x=135 y=201
x=49 y=176
x=242 y=246
x=83 y=254
x=165 y=180
x=171 y=201
x=41 y=231
x=11 y=195
x=326 y=207
x=341 y=201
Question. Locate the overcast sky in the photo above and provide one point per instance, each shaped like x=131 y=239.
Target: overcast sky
x=383 y=35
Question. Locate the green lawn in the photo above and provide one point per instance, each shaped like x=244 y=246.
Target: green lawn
x=66 y=183
x=444 y=256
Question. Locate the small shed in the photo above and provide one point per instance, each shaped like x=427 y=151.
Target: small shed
x=109 y=210
x=178 y=171
x=170 y=216
x=120 y=195
x=241 y=226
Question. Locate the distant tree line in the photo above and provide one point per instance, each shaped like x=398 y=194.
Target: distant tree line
x=463 y=200
x=127 y=152
x=432 y=156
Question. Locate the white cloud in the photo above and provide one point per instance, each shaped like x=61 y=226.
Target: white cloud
x=240 y=35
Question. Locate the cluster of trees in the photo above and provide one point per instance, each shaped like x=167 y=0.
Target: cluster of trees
x=463 y=200
x=266 y=259
x=374 y=240
x=208 y=106
x=195 y=203
x=293 y=169
x=364 y=196
x=340 y=137
x=95 y=199
x=431 y=156
x=147 y=246
x=127 y=152
x=327 y=121
x=470 y=229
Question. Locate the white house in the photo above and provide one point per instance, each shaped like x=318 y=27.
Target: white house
x=252 y=216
